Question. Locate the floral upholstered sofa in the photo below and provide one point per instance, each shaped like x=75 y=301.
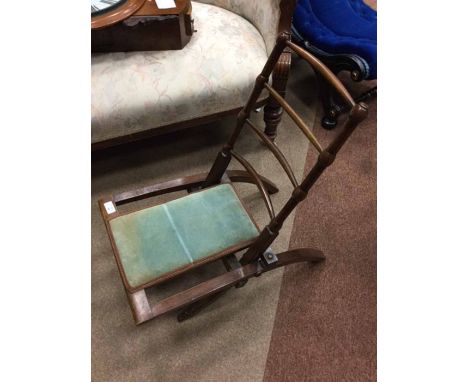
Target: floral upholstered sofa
x=139 y=94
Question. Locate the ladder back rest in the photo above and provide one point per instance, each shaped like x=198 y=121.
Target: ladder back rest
x=357 y=113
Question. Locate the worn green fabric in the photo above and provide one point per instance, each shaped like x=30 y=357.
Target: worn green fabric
x=161 y=239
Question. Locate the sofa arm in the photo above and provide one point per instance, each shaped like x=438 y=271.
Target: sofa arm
x=268 y=16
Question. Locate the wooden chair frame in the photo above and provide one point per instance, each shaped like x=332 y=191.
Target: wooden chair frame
x=258 y=257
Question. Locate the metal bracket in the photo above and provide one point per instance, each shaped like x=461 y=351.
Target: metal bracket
x=268 y=257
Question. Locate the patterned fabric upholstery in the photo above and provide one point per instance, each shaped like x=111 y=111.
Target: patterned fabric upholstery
x=215 y=72
x=162 y=239
x=264 y=14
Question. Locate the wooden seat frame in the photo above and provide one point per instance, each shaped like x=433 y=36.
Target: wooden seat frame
x=258 y=257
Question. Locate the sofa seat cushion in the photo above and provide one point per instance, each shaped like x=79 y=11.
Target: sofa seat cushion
x=158 y=241
x=136 y=91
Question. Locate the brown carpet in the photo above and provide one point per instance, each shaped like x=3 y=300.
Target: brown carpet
x=325 y=325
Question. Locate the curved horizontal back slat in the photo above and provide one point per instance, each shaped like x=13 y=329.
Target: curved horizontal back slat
x=324 y=71
x=258 y=182
x=276 y=152
x=298 y=120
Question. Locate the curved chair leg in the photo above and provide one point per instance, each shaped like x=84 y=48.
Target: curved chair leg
x=285 y=258
x=298 y=255
x=273 y=111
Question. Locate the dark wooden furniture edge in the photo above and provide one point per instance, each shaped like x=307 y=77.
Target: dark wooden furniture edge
x=151 y=133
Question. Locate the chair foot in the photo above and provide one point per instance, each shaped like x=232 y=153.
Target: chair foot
x=329 y=123
x=298 y=255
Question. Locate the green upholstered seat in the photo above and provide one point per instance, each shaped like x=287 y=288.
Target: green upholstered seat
x=159 y=240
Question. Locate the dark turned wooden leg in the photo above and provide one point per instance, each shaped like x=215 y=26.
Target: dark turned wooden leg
x=329 y=119
x=298 y=255
x=273 y=111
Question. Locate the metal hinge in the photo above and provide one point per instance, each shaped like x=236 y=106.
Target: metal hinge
x=268 y=257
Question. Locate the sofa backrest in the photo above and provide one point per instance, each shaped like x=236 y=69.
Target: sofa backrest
x=263 y=14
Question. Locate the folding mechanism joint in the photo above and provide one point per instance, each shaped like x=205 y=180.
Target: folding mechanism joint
x=284 y=36
x=268 y=258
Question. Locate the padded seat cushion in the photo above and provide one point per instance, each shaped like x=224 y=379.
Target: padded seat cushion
x=339 y=27
x=157 y=241
x=215 y=72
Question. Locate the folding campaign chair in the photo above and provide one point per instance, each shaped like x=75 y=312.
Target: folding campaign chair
x=155 y=244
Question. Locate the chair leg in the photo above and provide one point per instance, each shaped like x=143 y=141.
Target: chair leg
x=329 y=119
x=298 y=255
x=209 y=290
x=273 y=111
x=289 y=257
x=230 y=263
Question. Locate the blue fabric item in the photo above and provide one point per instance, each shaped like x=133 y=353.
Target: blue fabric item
x=339 y=27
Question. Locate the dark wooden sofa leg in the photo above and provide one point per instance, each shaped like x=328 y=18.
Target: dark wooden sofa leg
x=330 y=116
x=273 y=111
